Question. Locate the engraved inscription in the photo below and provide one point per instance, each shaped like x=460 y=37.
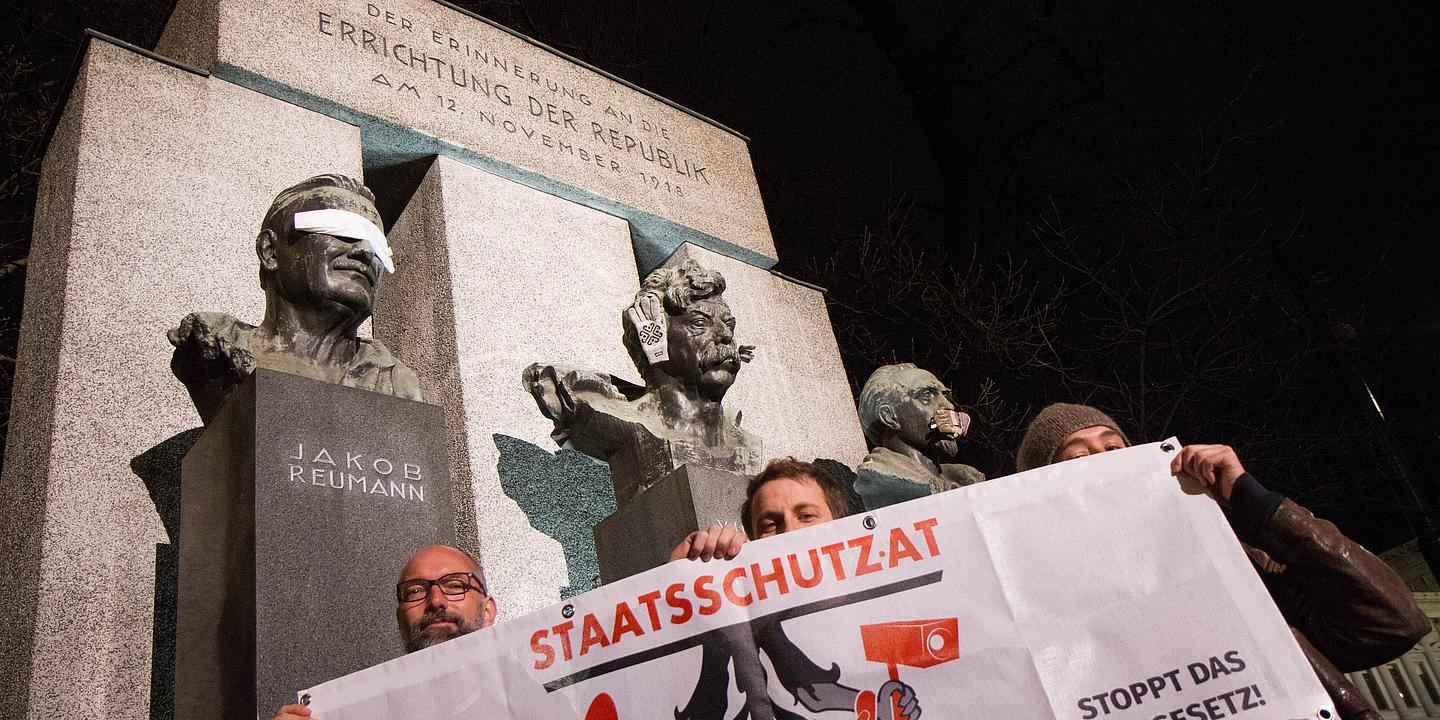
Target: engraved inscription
x=355 y=472
x=437 y=70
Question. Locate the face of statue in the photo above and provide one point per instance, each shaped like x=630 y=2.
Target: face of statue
x=921 y=396
x=702 y=347
x=315 y=269
x=436 y=616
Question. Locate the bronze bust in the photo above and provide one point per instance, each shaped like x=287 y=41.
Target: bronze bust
x=913 y=429
x=680 y=334
x=322 y=256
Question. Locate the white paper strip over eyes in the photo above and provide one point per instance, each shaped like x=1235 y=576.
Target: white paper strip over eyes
x=346 y=224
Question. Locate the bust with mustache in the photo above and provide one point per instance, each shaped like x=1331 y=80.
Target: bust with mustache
x=319 y=279
x=680 y=405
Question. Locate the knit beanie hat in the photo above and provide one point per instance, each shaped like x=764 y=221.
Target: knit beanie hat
x=1050 y=428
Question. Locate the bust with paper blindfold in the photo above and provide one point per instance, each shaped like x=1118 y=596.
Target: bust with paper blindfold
x=322 y=256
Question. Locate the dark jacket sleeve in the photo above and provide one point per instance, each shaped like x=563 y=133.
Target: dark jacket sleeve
x=1349 y=703
x=1347 y=602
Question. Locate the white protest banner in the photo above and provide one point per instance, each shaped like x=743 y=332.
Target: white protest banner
x=1097 y=588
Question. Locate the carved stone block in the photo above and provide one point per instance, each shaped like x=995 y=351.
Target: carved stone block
x=299 y=505
x=641 y=534
x=645 y=460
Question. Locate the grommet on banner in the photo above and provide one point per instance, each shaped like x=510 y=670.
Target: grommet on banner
x=567 y=611
x=868 y=522
x=305 y=699
x=1167 y=447
x=1325 y=713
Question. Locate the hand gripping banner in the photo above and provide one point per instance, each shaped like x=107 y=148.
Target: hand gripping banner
x=1097 y=588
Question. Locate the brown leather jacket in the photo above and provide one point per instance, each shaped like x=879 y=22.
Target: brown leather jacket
x=1348 y=609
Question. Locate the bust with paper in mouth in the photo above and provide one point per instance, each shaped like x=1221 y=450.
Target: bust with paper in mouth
x=680 y=334
x=322 y=256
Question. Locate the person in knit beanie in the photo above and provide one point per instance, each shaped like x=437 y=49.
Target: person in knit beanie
x=1348 y=609
x=1053 y=427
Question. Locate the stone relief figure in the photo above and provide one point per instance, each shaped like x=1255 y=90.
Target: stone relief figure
x=680 y=334
x=913 y=429
x=322 y=255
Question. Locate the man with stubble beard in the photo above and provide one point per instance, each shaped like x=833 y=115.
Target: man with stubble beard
x=441 y=595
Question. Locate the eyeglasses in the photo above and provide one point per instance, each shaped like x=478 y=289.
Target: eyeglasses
x=454 y=585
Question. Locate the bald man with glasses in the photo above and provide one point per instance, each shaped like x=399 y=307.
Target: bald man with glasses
x=441 y=596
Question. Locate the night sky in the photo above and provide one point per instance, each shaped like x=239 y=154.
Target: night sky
x=1312 y=125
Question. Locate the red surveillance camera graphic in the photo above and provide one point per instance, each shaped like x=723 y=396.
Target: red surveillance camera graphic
x=912 y=643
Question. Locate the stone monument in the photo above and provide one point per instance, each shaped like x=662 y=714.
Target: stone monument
x=509 y=174
x=913 y=429
x=675 y=430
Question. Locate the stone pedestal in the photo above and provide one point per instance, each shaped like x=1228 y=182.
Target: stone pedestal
x=641 y=534
x=299 y=505
x=644 y=458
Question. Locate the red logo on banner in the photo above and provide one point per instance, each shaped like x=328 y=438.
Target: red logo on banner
x=912 y=643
